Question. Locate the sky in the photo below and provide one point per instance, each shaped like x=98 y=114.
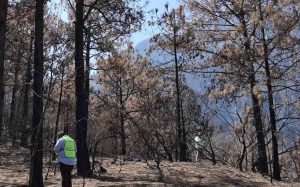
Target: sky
x=146 y=31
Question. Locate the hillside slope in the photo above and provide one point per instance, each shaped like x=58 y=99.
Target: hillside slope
x=14 y=169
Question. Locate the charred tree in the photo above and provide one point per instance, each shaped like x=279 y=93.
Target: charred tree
x=87 y=67
x=261 y=145
x=122 y=121
x=83 y=163
x=59 y=107
x=28 y=77
x=276 y=166
x=3 y=15
x=180 y=130
x=12 y=115
x=36 y=167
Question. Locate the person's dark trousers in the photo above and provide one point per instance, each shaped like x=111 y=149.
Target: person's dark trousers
x=66 y=174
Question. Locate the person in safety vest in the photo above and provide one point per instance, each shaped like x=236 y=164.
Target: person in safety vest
x=65 y=147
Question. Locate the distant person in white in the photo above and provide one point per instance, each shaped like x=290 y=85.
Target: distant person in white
x=199 y=148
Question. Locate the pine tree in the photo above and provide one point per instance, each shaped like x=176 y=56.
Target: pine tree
x=3 y=15
x=83 y=163
x=36 y=167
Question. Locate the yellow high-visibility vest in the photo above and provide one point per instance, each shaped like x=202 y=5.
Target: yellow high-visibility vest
x=69 y=148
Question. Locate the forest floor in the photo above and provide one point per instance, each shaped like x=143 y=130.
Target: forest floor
x=14 y=171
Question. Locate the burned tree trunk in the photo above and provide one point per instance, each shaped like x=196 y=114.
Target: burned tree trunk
x=24 y=133
x=59 y=107
x=261 y=145
x=12 y=122
x=36 y=167
x=122 y=121
x=83 y=163
x=87 y=68
x=276 y=166
x=3 y=14
x=180 y=130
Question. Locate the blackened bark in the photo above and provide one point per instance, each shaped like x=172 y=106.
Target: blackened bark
x=87 y=73
x=36 y=167
x=122 y=121
x=87 y=67
x=261 y=146
x=178 y=124
x=244 y=151
x=276 y=166
x=3 y=15
x=242 y=156
x=181 y=143
x=184 y=139
x=213 y=156
x=87 y=77
x=12 y=115
x=83 y=163
x=24 y=133
x=59 y=108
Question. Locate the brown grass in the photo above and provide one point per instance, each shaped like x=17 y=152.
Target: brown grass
x=14 y=170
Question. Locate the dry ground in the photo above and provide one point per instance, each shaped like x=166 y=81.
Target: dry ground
x=14 y=164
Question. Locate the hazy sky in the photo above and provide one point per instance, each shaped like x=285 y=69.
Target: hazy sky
x=146 y=31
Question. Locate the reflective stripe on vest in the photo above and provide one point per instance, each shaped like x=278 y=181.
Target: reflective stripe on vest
x=69 y=148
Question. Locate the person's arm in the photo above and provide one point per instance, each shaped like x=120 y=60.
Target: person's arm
x=59 y=145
